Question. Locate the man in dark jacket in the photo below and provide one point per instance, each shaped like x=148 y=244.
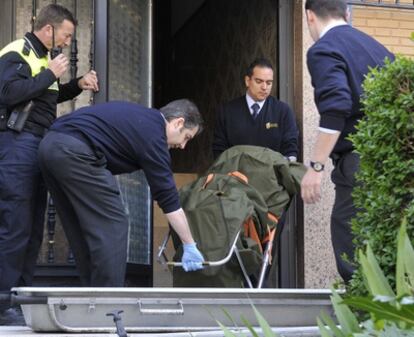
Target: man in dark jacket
x=78 y=158
x=257 y=118
x=29 y=80
x=338 y=62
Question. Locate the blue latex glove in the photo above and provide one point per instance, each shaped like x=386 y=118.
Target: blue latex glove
x=192 y=258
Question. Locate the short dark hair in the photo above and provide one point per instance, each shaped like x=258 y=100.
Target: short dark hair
x=260 y=62
x=184 y=108
x=325 y=9
x=53 y=15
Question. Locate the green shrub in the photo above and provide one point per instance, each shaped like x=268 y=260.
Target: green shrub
x=391 y=313
x=385 y=142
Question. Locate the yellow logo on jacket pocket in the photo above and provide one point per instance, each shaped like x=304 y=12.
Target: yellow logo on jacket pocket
x=271 y=125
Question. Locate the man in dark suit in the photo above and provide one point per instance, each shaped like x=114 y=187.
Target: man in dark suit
x=257 y=118
x=338 y=62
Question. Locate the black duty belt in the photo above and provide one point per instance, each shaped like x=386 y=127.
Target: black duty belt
x=35 y=129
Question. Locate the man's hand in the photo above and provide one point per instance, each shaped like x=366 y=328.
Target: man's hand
x=89 y=81
x=58 y=65
x=192 y=258
x=311 y=181
x=311 y=186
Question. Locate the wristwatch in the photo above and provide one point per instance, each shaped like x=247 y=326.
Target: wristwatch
x=317 y=166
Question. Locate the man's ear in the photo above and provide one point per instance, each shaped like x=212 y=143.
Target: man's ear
x=310 y=16
x=348 y=15
x=179 y=122
x=246 y=80
x=49 y=29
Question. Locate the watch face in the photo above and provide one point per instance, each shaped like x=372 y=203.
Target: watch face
x=317 y=166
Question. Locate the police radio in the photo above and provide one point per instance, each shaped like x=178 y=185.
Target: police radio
x=55 y=51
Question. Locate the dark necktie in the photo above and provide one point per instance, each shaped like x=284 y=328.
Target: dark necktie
x=255 y=108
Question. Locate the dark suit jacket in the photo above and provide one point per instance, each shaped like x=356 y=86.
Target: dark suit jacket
x=274 y=127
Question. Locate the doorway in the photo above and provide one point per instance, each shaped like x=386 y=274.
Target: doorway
x=201 y=51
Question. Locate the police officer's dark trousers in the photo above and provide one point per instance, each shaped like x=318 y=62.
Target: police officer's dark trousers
x=22 y=208
x=343 y=176
x=89 y=204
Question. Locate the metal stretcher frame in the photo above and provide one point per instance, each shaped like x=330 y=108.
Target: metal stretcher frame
x=163 y=259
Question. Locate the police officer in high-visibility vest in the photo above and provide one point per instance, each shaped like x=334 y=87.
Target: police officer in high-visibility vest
x=29 y=93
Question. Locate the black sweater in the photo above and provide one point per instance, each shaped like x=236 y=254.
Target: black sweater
x=338 y=63
x=274 y=127
x=131 y=137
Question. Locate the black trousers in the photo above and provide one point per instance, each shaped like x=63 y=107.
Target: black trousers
x=343 y=176
x=22 y=208
x=89 y=204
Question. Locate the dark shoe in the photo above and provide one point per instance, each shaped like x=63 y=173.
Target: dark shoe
x=12 y=316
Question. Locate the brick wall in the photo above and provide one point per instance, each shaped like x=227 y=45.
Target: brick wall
x=392 y=27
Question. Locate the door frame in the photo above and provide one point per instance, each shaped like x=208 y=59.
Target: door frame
x=290 y=261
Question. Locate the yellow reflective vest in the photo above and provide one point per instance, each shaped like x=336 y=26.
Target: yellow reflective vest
x=25 y=49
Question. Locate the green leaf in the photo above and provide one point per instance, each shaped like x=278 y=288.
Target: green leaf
x=331 y=324
x=383 y=310
x=402 y=254
x=265 y=327
x=249 y=326
x=323 y=330
x=267 y=330
x=379 y=324
x=346 y=318
x=229 y=317
x=409 y=261
x=226 y=331
x=378 y=284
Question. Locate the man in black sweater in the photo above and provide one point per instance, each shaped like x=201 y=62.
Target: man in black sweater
x=257 y=118
x=338 y=62
x=78 y=158
x=29 y=79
